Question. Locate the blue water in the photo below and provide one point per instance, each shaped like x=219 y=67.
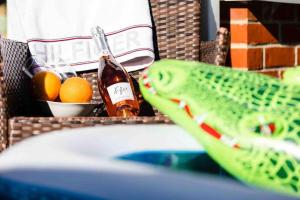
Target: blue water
x=197 y=161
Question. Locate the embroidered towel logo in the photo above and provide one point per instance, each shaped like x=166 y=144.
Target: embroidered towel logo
x=81 y=50
x=120 y=92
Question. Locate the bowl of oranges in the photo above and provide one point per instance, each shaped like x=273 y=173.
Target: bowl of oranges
x=70 y=97
x=59 y=109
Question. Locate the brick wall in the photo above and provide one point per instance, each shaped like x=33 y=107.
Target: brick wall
x=264 y=36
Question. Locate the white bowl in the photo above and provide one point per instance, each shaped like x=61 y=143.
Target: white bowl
x=58 y=109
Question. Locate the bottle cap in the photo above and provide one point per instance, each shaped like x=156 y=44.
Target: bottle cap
x=97 y=31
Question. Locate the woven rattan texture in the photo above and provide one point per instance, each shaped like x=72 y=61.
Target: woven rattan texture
x=177 y=25
x=3 y=107
x=17 y=83
x=208 y=51
x=215 y=52
x=3 y=111
x=24 y=127
x=223 y=43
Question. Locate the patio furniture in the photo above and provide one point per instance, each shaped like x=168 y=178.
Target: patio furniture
x=177 y=35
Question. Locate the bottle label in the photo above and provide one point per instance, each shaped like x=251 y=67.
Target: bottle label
x=120 y=92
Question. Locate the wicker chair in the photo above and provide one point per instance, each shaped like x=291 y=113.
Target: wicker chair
x=177 y=35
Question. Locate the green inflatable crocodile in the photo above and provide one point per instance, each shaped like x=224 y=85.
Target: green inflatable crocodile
x=247 y=122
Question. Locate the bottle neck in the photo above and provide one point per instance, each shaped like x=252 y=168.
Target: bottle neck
x=101 y=41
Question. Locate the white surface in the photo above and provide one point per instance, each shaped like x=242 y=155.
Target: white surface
x=59 y=109
x=110 y=141
x=60 y=30
x=78 y=161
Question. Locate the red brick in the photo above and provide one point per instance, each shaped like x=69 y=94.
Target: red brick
x=262 y=33
x=254 y=33
x=280 y=56
x=272 y=72
x=239 y=14
x=251 y=59
x=239 y=33
x=239 y=58
x=255 y=58
x=242 y=14
x=291 y=33
x=277 y=73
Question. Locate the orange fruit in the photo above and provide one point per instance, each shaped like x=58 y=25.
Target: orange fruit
x=46 y=85
x=75 y=90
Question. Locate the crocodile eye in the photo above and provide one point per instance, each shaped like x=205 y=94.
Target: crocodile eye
x=160 y=76
x=167 y=79
x=164 y=77
x=263 y=124
x=266 y=129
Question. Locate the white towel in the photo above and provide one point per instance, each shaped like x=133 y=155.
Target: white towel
x=60 y=30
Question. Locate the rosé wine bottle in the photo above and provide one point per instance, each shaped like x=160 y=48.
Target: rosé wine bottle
x=114 y=83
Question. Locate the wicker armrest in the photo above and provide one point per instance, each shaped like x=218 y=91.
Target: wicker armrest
x=3 y=111
x=24 y=127
x=3 y=107
x=215 y=52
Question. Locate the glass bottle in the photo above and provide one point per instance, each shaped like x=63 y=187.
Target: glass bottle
x=114 y=83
